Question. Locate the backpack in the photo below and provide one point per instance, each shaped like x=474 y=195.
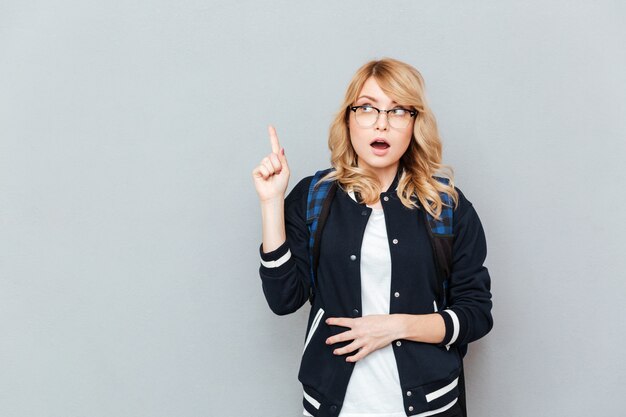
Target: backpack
x=441 y=233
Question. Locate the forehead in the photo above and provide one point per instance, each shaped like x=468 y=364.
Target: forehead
x=372 y=90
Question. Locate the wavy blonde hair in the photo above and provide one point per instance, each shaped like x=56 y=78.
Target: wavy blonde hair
x=421 y=161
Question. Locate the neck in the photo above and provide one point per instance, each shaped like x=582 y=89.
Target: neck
x=386 y=176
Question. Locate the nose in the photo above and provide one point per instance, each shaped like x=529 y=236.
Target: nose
x=382 y=122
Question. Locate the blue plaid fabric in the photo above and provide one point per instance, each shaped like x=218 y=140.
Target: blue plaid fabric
x=443 y=226
x=315 y=201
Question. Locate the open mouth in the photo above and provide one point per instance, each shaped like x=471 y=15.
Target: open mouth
x=379 y=144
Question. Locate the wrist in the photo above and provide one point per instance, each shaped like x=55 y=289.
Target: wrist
x=401 y=326
x=425 y=328
x=272 y=202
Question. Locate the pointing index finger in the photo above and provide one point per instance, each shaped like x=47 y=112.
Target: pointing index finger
x=274 y=139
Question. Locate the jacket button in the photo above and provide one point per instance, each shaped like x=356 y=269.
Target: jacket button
x=409 y=393
x=386 y=198
x=333 y=409
x=398 y=343
x=395 y=241
x=396 y=294
x=364 y=213
x=353 y=257
x=355 y=312
x=410 y=408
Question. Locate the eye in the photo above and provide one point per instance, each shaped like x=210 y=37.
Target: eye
x=367 y=109
x=398 y=112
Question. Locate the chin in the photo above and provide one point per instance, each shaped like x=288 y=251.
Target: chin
x=380 y=164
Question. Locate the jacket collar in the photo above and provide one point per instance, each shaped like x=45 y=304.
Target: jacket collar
x=392 y=187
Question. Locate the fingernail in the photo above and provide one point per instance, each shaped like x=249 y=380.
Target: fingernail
x=334 y=352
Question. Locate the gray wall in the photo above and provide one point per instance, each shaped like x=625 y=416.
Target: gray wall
x=130 y=227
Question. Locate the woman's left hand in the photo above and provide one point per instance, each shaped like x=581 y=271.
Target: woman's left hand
x=368 y=334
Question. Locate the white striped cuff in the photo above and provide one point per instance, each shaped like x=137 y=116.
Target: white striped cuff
x=456 y=326
x=278 y=262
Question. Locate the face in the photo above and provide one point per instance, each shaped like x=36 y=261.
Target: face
x=380 y=146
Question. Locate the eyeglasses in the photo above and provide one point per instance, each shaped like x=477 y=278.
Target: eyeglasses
x=398 y=118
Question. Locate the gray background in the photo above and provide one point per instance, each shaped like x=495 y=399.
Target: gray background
x=130 y=226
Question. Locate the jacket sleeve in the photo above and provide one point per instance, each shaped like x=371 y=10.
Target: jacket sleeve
x=285 y=271
x=468 y=317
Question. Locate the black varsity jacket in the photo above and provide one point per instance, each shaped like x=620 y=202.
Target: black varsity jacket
x=428 y=372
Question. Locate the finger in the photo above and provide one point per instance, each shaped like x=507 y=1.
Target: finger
x=273 y=139
x=256 y=172
x=348 y=349
x=264 y=172
x=275 y=162
x=339 y=321
x=363 y=352
x=268 y=165
x=341 y=337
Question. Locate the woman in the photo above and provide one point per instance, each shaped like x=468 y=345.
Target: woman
x=380 y=342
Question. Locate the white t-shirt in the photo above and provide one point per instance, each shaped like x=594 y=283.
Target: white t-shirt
x=374 y=387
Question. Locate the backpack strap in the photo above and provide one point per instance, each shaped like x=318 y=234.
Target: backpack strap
x=317 y=208
x=442 y=238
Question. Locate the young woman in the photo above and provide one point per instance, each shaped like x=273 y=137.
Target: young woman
x=378 y=343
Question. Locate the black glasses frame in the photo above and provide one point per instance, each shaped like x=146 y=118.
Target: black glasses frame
x=413 y=113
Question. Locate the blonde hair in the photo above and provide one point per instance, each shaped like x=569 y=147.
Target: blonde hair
x=421 y=161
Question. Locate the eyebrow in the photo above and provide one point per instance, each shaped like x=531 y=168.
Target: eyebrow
x=373 y=99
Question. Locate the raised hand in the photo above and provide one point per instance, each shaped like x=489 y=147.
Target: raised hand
x=271 y=176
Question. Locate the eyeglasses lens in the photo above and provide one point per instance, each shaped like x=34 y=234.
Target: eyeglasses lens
x=366 y=117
